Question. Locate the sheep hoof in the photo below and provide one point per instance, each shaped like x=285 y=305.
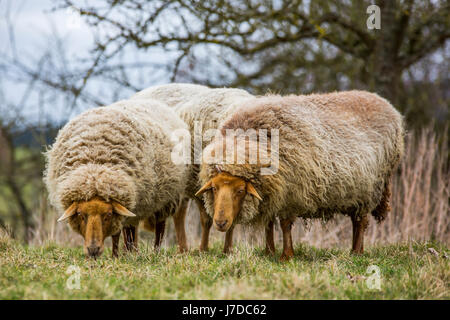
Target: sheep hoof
x=286 y=257
x=182 y=250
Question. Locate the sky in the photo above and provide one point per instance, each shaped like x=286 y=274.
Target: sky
x=34 y=20
x=34 y=24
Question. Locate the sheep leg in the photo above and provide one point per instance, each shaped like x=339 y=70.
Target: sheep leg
x=115 y=245
x=288 y=250
x=359 y=226
x=270 y=244
x=206 y=222
x=159 y=233
x=228 y=240
x=130 y=237
x=180 y=232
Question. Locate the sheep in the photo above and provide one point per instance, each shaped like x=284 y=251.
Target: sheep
x=111 y=167
x=203 y=109
x=336 y=154
x=204 y=114
x=171 y=94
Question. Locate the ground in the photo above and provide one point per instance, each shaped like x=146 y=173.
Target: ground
x=407 y=271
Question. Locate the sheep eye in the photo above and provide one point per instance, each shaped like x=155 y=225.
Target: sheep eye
x=240 y=191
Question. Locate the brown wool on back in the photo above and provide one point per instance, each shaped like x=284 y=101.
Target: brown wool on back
x=337 y=152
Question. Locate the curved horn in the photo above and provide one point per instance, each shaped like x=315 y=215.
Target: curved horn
x=206 y=187
x=70 y=211
x=251 y=190
x=119 y=209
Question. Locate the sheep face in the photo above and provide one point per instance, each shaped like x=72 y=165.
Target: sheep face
x=95 y=220
x=229 y=192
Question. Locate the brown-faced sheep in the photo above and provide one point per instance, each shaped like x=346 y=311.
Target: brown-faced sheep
x=203 y=109
x=111 y=167
x=204 y=114
x=336 y=154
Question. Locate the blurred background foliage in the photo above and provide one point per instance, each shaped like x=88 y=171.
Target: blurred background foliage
x=281 y=46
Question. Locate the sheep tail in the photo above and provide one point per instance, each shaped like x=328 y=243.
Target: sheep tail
x=381 y=211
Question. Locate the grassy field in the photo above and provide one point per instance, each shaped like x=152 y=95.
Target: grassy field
x=407 y=271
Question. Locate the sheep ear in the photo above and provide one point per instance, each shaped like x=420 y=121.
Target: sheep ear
x=251 y=190
x=203 y=189
x=120 y=209
x=70 y=211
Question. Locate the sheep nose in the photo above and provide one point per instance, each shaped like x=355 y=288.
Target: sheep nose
x=93 y=251
x=221 y=223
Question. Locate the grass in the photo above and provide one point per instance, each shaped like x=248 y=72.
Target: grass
x=408 y=271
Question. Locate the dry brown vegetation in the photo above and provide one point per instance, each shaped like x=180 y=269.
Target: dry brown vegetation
x=315 y=46
x=420 y=208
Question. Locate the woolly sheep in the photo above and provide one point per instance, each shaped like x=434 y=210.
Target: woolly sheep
x=172 y=94
x=203 y=115
x=203 y=109
x=336 y=154
x=111 y=167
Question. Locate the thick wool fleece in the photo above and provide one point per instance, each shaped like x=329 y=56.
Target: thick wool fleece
x=172 y=94
x=336 y=154
x=205 y=112
x=209 y=108
x=119 y=152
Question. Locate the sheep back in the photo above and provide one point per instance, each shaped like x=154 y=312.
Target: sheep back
x=196 y=103
x=171 y=94
x=336 y=154
x=209 y=110
x=119 y=152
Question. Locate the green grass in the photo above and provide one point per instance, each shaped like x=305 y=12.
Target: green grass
x=408 y=271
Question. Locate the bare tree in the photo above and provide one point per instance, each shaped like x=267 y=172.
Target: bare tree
x=286 y=46
x=25 y=114
x=261 y=42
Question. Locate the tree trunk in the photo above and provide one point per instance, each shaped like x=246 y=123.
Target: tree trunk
x=24 y=212
x=7 y=163
x=386 y=72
